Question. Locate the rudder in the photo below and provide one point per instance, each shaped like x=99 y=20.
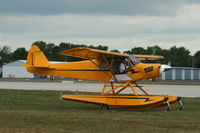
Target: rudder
x=36 y=58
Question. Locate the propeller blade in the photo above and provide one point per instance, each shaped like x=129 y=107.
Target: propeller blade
x=164 y=68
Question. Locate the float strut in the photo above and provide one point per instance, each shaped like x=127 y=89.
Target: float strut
x=180 y=104
x=169 y=107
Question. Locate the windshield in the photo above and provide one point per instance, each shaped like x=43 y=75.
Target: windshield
x=134 y=60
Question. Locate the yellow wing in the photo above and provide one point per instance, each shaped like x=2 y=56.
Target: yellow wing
x=146 y=57
x=87 y=53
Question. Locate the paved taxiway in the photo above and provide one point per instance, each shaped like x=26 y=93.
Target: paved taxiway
x=173 y=90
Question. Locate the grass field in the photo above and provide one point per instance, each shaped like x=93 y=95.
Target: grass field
x=43 y=112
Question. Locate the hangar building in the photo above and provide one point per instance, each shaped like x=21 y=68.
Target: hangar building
x=15 y=70
x=181 y=73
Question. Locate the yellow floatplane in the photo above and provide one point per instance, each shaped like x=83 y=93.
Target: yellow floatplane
x=118 y=72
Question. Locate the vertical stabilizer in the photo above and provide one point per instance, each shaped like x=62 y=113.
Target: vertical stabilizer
x=36 y=58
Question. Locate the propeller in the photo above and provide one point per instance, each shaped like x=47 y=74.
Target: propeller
x=164 y=68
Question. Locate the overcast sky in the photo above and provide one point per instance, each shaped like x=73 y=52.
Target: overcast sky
x=118 y=24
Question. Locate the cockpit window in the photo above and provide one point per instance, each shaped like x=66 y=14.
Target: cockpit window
x=134 y=60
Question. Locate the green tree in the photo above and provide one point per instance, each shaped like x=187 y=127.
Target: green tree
x=197 y=59
x=100 y=47
x=19 y=54
x=154 y=50
x=136 y=50
x=115 y=50
x=41 y=44
x=180 y=57
x=5 y=55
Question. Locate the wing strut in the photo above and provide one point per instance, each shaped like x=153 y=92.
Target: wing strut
x=110 y=66
x=87 y=56
x=100 y=68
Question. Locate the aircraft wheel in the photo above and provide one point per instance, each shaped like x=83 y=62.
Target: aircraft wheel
x=179 y=109
x=166 y=110
x=104 y=107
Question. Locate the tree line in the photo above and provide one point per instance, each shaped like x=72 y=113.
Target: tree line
x=175 y=56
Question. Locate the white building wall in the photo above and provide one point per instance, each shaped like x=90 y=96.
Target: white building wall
x=192 y=74
x=183 y=74
x=163 y=76
x=16 y=72
x=199 y=74
x=173 y=74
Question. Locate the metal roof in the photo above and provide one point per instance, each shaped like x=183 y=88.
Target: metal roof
x=186 y=68
x=16 y=63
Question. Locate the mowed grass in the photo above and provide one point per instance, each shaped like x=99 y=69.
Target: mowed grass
x=25 y=111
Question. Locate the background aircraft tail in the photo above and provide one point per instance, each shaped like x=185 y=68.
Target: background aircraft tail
x=36 y=58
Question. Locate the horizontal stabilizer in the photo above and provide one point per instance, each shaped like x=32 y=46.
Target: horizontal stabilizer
x=35 y=66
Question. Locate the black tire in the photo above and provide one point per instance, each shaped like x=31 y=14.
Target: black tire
x=179 y=109
x=104 y=107
x=166 y=109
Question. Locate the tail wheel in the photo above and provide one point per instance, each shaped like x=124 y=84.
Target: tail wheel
x=104 y=107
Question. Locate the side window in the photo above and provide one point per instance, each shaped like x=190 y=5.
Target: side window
x=148 y=69
x=115 y=66
x=129 y=63
x=103 y=65
x=134 y=60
